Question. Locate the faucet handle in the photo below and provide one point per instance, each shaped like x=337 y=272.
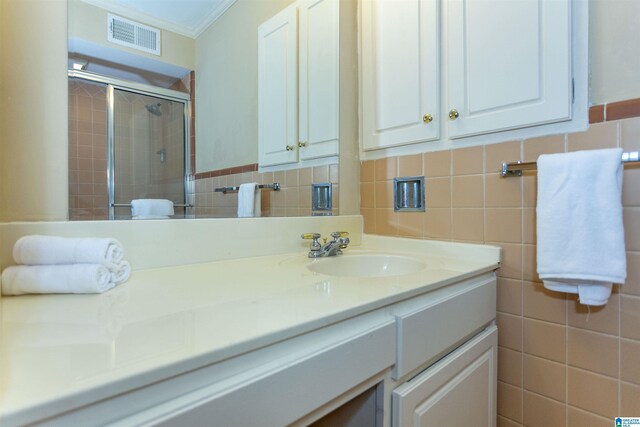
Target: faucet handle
x=339 y=234
x=310 y=236
x=314 y=250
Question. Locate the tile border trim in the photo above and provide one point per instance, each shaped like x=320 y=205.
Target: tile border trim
x=614 y=111
x=252 y=167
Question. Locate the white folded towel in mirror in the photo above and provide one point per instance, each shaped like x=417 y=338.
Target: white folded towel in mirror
x=580 y=232
x=249 y=200
x=151 y=209
x=40 y=250
x=54 y=279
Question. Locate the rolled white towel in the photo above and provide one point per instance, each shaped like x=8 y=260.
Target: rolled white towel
x=40 y=250
x=121 y=273
x=151 y=208
x=56 y=279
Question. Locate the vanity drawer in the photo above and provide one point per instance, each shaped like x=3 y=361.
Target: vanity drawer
x=441 y=322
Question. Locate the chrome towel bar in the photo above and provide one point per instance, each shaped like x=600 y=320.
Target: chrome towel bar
x=128 y=205
x=224 y=190
x=516 y=168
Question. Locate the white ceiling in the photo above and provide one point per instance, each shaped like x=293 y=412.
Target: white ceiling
x=186 y=17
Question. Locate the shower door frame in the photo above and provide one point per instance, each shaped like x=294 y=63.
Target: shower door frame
x=157 y=92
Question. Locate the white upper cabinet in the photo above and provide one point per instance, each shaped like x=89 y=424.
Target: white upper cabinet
x=298 y=83
x=508 y=64
x=319 y=78
x=437 y=70
x=400 y=72
x=278 y=88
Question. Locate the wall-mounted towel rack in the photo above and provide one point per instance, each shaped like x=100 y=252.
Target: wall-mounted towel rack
x=128 y=205
x=224 y=190
x=516 y=168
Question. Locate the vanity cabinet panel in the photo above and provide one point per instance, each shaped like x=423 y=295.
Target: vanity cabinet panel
x=508 y=64
x=459 y=390
x=319 y=78
x=400 y=66
x=278 y=88
x=420 y=330
x=298 y=83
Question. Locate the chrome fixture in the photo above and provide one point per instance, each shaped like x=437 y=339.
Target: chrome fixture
x=79 y=64
x=224 y=190
x=516 y=168
x=334 y=247
x=154 y=109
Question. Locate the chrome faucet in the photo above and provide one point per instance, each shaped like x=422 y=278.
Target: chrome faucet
x=332 y=248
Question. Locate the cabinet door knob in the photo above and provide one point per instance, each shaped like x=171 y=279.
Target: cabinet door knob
x=427 y=118
x=291 y=147
x=302 y=144
x=453 y=114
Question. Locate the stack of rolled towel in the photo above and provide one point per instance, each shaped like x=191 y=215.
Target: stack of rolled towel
x=51 y=264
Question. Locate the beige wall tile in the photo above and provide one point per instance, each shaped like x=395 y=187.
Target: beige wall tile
x=292 y=197
x=631 y=185
x=630 y=361
x=545 y=340
x=437 y=163
x=529 y=226
x=529 y=189
x=411 y=224
x=496 y=154
x=367 y=194
x=321 y=174
x=305 y=175
x=467 y=191
x=510 y=260
x=543 y=304
x=579 y=418
x=502 y=192
x=503 y=225
x=277 y=177
x=291 y=178
x=593 y=351
x=599 y=319
x=632 y=228
x=384 y=194
x=630 y=317
x=510 y=401
x=630 y=134
x=542 y=412
x=510 y=366
x=467 y=161
x=305 y=197
x=369 y=219
x=438 y=192
x=509 y=296
x=592 y=392
x=529 y=264
x=629 y=400
x=545 y=377
x=598 y=136
x=506 y=422
x=367 y=171
x=533 y=148
x=632 y=284
x=386 y=222
x=386 y=168
x=437 y=224
x=468 y=224
x=410 y=165
x=509 y=331
x=334 y=173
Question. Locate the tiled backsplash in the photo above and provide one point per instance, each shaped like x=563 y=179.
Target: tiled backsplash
x=559 y=364
x=294 y=198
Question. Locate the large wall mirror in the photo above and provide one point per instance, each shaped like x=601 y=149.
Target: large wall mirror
x=163 y=104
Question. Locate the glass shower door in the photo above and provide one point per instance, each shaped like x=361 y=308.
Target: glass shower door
x=147 y=152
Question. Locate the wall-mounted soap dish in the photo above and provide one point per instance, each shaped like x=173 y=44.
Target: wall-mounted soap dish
x=408 y=194
x=321 y=197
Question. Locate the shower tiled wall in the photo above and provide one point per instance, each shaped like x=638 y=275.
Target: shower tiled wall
x=294 y=198
x=87 y=151
x=560 y=363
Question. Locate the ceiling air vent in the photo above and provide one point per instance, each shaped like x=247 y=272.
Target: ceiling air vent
x=133 y=34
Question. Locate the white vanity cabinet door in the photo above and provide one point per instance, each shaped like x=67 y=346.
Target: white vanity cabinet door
x=319 y=78
x=459 y=390
x=278 y=88
x=400 y=80
x=508 y=64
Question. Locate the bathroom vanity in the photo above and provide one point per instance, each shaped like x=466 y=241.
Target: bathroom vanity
x=394 y=332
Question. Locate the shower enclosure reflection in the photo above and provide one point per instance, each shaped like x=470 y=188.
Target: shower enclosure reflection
x=125 y=144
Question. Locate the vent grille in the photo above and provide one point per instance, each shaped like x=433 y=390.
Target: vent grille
x=133 y=34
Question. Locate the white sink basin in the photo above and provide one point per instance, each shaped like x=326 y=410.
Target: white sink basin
x=369 y=265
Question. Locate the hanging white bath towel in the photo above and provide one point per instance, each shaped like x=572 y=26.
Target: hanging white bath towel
x=580 y=233
x=249 y=200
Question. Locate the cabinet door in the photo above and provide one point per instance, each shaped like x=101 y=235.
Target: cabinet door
x=400 y=80
x=509 y=64
x=319 y=78
x=278 y=89
x=460 y=390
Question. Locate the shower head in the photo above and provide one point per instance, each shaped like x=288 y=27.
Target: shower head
x=154 y=109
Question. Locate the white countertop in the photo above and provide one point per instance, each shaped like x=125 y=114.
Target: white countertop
x=68 y=350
